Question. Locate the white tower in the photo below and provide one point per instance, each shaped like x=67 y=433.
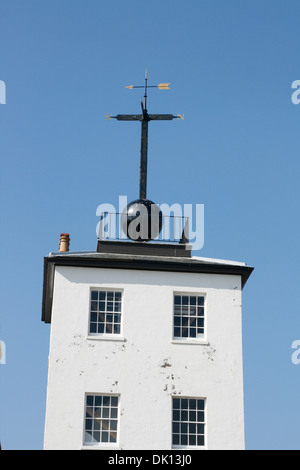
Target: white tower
x=146 y=345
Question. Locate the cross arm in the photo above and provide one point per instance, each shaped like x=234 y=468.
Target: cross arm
x=128 y=117
x=162 y=117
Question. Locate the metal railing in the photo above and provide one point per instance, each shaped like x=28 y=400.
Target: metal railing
x=166 y=229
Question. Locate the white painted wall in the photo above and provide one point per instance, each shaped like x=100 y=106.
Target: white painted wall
x=134 y=368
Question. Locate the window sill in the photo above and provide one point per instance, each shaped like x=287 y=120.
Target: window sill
x=99 y=447
x=106 y=338
x=201 y=342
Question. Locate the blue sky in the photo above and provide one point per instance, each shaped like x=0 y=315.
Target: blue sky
x=231 y=66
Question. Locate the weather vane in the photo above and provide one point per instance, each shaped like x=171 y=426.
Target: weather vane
x=145 y=118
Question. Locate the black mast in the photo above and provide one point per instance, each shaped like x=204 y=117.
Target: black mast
x=145 y=118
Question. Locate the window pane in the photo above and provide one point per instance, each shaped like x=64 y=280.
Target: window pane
x=117 y=296
x=176 y=403
x=94 y=295
x=114 y=401
x=177 y=300
x=98 y=400
x=113 y=425
x=200 y=404
x=184 y=439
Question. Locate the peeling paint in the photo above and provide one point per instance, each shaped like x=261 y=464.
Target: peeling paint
x=165 y=363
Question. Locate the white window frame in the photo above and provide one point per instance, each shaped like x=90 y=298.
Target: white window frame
x=101 y=444
x=188 y=339
x=105 y=335
x=187 y=422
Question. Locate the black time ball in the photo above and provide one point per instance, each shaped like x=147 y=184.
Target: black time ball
x=142 y=220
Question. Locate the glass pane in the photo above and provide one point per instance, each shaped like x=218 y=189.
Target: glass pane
x=93 y=328
x=184 y=428
x=192 y=332
x=200 y=300
x=200 y=440
x=94 y=295
x=200 y=404
x=200 y=417
x=94 y=306
x=193 y=300
x=96 y=425
x=113 y=437
x=192 y=415
x=101 y=328
x=184 y=439
x=94 y=317
x=102 y=295
x=101 y=306
x=114 y=401
x=193 y=404
x=177 y=333
x=200 y=428
x=184 y=416
x=104 y=436
x=90 y=400
x=98 y=401
x=105 y=412
x=175 y=428
x=109 y=318
x=88 y=424
x=106 y=401
x=184 y=404
x=96 y=436
x=117 y=329
x=200 y=311
x=176 y=403
x=192 y=428
x=192 y=439
x=177 y=300
x=113 y=424
x=110 y=296
x=175 y=439
x=118 y=307
x=118 y=296
x=176 y=415
x=185 y=300
x=114 y=412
